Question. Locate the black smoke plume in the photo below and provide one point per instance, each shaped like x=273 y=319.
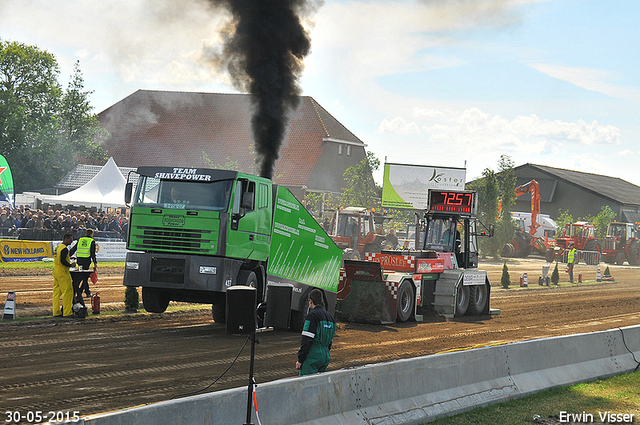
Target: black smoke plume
x=263 y=51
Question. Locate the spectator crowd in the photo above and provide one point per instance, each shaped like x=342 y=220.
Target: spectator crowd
x=35 y=224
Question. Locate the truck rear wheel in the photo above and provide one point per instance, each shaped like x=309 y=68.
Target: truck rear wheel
x=406 y=302
x=154 y=301
x=478 y=297
x=462 y=300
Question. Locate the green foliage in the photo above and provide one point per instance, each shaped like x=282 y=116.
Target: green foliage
x=131 y=299
x=602 y=220
x=555 y=276
x=563 y=219
x=44 y=130
x=618 y=394
x=361 y=190
x=492 y=187
x=505 y=280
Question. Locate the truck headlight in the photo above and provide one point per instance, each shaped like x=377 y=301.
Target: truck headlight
x=208 y=270
x=132 y=265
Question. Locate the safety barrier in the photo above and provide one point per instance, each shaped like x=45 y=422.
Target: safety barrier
x=588 y=257
x=410 y=391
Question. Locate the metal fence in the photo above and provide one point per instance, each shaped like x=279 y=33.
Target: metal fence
x=588 y=257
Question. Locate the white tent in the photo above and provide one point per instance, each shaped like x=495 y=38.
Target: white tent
x=105 y=189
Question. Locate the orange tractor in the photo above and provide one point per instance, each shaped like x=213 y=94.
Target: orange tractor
x=358 y=231
x=621 y=244
x=583 y=237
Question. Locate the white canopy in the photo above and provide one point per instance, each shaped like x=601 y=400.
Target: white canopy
x=105 y=189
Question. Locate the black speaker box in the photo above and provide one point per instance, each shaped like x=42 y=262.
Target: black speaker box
x=241 y=309
x=278 y=314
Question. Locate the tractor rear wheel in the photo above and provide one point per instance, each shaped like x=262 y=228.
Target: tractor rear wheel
x=593 y=245
x=406 y=302
x=634 y=253
x=478 y=298
x=462 y=300
x=549 y=255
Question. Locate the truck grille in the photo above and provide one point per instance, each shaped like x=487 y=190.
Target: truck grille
x=179 y=240
x=167 y=270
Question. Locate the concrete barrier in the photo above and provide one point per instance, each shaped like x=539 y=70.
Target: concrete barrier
x=411 y=391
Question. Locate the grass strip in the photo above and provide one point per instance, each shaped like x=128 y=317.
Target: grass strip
x=618 y=395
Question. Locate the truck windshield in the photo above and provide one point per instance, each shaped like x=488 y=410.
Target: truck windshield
x=173 y=194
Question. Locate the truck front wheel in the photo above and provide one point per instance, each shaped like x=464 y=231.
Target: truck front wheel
x=154 y=301
x=218 y=311
x=405 y=302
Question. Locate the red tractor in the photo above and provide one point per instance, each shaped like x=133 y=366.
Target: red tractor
x=583 y=236
x=354 y=229
x=621 y=244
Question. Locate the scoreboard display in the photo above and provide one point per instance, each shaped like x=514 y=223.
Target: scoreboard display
x=453 y=201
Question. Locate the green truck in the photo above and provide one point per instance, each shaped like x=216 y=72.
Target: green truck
x=194 y=233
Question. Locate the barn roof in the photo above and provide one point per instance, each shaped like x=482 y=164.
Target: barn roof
x=614 y=188
x=184 y=129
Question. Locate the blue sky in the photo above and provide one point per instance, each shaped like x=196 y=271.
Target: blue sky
x=431 y=82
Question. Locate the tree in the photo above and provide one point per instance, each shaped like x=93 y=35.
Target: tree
x=505 y=279
x=487 y=188
x=602 y=220
x=505 y=227
x=493 y=189
x=361 y=190
x=44 y=131
x=555 y=275
x=563 y=219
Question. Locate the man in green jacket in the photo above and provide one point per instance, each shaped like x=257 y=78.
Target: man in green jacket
x=317 y=337
x=571 y=260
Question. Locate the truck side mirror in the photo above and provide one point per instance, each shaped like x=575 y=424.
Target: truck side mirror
x=248 y=200
x=128 y=191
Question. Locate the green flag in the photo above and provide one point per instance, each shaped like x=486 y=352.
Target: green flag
x=6 y=184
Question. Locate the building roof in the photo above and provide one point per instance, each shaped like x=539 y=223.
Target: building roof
x=82 y=174
x=613 y=188
x=164 y=128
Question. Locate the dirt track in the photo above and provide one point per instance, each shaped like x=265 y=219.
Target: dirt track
x=106 y=362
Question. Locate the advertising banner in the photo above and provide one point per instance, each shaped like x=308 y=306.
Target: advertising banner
x=407 y=186
x=300 y=249
x=6 y=184
x=15 y=251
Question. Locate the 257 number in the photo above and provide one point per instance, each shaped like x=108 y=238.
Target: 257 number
x=457 y=199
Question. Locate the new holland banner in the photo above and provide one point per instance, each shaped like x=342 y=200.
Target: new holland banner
x=6 y=184
x=15 y=251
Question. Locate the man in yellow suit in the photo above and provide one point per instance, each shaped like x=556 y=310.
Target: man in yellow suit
x=62 y=278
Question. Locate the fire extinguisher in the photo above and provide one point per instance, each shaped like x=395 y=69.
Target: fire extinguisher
x=95 y=303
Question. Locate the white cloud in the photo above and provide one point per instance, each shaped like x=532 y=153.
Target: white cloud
x=398 y=126
x=529 y=131
x=589 y=79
